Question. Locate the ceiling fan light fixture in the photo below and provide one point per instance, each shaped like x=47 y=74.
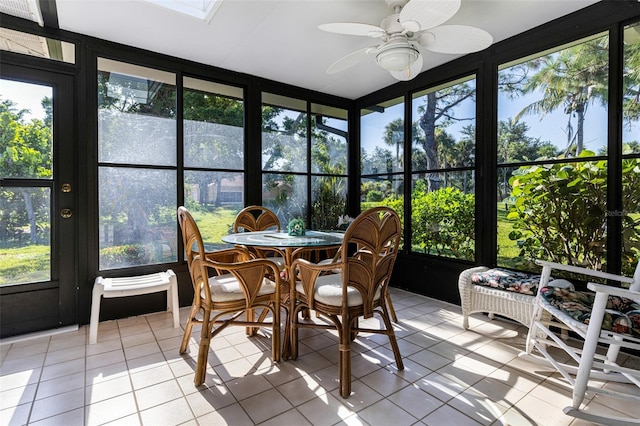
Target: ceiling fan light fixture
x=397 y=58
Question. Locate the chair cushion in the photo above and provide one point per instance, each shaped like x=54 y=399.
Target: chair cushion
x=504 y=279
x=225 y=288
x=622 y=315
x=328 y=290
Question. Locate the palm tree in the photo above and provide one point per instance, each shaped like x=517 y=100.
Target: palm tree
x=572 y=79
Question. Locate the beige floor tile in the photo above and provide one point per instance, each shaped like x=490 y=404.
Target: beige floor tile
x=386 y=412
x=151 y=376
x=57 y=404
x=291 y=417
x=301 y=390
x=265 y=405
x=451 y=376
x=73 y=417
x=247 y=386
x=15 y=415
x=232 y=415
x=110 y=409
x=17 y=396
x=447 y=415
x=157 y=394
x=325 y=410
x=63 y=384
x=108 y=389
x=415 y=401
x=210 y=399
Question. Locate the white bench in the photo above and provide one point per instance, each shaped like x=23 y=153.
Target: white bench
x=132 y=286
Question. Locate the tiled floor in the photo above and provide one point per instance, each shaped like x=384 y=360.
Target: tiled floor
x=134 y=375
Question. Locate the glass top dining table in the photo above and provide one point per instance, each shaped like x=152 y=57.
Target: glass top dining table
x=281 y=239
x=289 y=247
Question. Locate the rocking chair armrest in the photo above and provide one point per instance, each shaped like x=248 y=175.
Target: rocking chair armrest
x=585 y=271
x=613 y=291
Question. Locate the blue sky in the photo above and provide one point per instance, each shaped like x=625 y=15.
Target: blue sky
x=27 y=96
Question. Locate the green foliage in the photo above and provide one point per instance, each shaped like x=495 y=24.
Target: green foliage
x=560 y=211
x=374 y=196
x=443 y=221
x=122 y=256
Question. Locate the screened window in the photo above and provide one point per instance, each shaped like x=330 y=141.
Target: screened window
x=382 y=155
x=442 y=170
x=552 y=156
x=137 y=168
x=304 y=160
x=213 y=129
x=630 y=214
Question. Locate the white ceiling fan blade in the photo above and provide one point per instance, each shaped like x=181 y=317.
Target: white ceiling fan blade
x=353 y=28
x=456 y=39
x=349 y=60
x=410 y=73
x=424 y=14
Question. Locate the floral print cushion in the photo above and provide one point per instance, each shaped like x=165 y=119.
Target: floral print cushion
x=622 y=315
x=504 y=279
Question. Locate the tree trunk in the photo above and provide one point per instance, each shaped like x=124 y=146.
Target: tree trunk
x=28 y=205
x=428 y=125
x=580 y=133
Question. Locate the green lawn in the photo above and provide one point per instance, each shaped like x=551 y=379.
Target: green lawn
x=24 y=264
x=213 y=225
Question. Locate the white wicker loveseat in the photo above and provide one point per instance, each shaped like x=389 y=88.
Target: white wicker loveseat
x=475 y=297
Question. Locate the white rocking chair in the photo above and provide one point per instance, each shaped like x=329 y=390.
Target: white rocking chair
x=607 y=317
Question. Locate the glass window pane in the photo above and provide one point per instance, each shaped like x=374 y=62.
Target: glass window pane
x=443 y=220
x=26 y=145
x=382 y=138
x=555 y=212
x=286 y=195
x=284 y=139
x=214 y=199
x=382 y=191
x=555 y=105
x=631 y=89
x=328 y=145
x=38 y=46
x=329 y=201
x=213 y=125
x=630 y=215
x=25 y=235
x=137 y=209
x=136 y=115
x=444 y=132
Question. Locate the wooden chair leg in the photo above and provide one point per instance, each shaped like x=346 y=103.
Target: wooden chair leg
x=392 y=311
x=344 y=358
x=392 y=340
x=203 y=352
x=188 y=329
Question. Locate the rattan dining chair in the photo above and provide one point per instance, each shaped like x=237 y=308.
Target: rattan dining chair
x=358 y=289
x=228 y=284
x=603 y=322
x=259 y=218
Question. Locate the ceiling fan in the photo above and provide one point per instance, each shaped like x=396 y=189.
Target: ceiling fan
x=414 y=24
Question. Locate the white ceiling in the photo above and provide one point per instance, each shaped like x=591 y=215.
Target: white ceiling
x=280 y=39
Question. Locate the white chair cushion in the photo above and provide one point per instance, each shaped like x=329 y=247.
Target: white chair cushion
x=225 y=288
x=328 y=290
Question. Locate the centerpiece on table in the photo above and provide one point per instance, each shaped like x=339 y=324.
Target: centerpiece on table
x=295 y=228
x=344 y=221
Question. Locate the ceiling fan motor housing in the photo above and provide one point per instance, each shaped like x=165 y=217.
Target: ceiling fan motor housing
x=397 y=55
